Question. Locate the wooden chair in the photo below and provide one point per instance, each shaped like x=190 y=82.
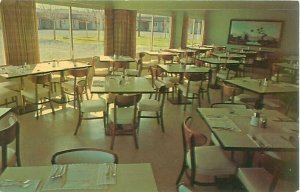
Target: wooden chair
x=155 y=105
x=158 y=74
x=197 y=84
x=100 y=69
x=8 y=97
x=135 y=72
x=39 y=93
x=123 y=117
x=233 y=94
x=9 y=133
x=189 y=58
x=86 y=107
x=202 y=160
x=119 y=67
x=167 y=59
x=272 y=175
x=69 y=87
x=84 y=155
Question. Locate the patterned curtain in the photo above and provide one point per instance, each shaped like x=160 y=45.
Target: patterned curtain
x=120 y=32
x=185 y=26
x=173 y=29
x=20 y=31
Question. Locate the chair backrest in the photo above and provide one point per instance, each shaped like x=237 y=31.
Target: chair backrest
x=232 y=67
x=79 y=72
x=41 y=79
x=9 y=132
x=167 y=58
x=230 y=91
x=139 y=66
x=84 y=155
x=155 y=73
x=201 y=77
x=189 y=142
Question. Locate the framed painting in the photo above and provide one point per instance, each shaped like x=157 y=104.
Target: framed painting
x=261 y=33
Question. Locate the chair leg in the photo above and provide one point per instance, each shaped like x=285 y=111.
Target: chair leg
x=139 y=120
x=157 y=118
x=135 y=139
x=112 y=130
x=78 y=123
x=162 y=123
x=181 y=173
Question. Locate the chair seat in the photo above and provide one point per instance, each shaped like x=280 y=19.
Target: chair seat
x=93 y=105
x=101 y=71
x=124 y=115
x=244 y=98
x=255 y=179
x=29 y=93
x=211 y=161
x=11 y=158
x=132 y=72
x=149 y=105
x=194 y=88
x=7 y=93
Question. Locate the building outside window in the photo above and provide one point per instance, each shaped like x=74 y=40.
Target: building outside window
x=57 y=40
x=153 y=32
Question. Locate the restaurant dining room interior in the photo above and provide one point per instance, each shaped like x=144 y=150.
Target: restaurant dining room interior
x=149 y=95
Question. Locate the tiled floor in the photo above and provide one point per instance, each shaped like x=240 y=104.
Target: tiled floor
x=41 y=138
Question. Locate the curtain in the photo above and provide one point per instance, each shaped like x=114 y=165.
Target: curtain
x=173 y=30
x=120 y=32
x=20 y=32
x=184 y=33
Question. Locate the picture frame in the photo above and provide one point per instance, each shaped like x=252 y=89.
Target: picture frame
x=263 y=33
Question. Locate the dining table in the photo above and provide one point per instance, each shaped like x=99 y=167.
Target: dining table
x=80 y=177
x=294 y=68
x=257 y=86
x=218 y=62
x=4 y=111
x=121 y=85
x=181 y=69
x=159 y=54
x=22 y=71
x=228 y=55
x=200 y=49
x=234 y=131
x=116 y=58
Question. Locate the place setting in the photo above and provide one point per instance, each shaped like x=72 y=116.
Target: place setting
x=81 y=177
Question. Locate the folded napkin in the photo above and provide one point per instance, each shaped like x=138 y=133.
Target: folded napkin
x=84 y=177
x=221 y=123
x=19 y=186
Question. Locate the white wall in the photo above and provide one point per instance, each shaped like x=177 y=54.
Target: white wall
x=218 y=22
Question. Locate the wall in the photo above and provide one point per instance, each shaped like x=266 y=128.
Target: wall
x=218 y=22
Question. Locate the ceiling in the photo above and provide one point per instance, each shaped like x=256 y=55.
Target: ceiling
x=178 y=4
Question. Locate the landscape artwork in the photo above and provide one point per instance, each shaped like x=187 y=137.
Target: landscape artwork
x=255 y=33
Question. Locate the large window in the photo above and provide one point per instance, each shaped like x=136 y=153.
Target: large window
x=153 y=32
x=2 y=54
x=195 y=31
x=59 y=40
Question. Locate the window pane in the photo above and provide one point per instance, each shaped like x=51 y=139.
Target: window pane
x=195 y=32
x=87 y=32
x=161 y=32
x=2 y=54
x=53 y=29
